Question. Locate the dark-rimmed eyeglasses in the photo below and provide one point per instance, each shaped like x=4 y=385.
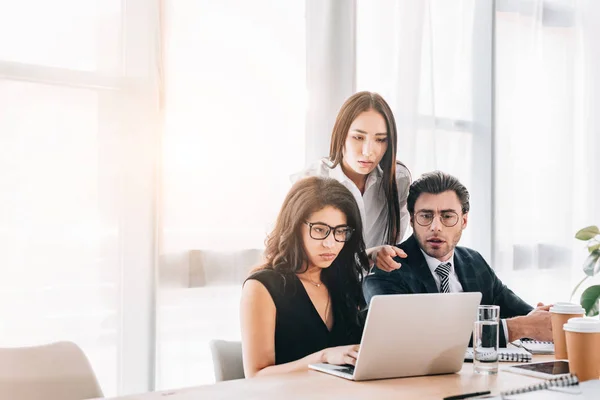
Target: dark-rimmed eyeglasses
x=447 y=218
x=320 y=231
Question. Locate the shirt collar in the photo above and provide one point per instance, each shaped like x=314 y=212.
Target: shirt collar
x=433 y=263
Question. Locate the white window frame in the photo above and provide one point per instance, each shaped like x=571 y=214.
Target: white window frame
x=137 y=325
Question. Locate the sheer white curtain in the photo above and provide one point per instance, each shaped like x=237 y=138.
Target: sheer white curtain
x=78 y=113
x=547 y=74
x=419 y=55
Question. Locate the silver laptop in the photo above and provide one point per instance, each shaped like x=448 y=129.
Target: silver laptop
x=412 y=335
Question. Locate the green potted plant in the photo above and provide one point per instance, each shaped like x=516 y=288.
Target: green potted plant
x=591 y=266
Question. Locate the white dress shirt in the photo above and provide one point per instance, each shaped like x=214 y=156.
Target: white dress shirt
x=373 y=203
x=453 y=282
x=433 y=263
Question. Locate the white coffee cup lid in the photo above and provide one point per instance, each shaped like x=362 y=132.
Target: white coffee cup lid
x=567 y=308
x=585 y=325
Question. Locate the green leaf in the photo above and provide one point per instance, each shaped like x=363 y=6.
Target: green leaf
x=594 y=247
x=587 y=233
x=589 y=300
x=591 y=264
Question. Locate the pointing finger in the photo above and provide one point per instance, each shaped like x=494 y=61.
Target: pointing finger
x=389 y=251
x=390 y=264
x=400 y=253
x=384 y=264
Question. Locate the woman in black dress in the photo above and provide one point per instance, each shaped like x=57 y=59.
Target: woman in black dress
x=302 y=306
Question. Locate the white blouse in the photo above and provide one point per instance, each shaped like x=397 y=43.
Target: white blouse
x=373 y=203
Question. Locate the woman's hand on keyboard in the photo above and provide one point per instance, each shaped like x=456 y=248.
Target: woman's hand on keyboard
x=341 y=355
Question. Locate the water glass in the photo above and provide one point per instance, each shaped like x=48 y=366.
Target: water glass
x=485 y=340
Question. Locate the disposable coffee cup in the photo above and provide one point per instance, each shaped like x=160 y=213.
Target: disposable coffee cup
x=583 y=344
x=560 y=313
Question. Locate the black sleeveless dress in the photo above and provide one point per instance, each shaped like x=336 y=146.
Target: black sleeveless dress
x=299 y=329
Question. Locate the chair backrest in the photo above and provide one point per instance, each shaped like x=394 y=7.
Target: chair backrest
x=227 y=360
x=57 y=371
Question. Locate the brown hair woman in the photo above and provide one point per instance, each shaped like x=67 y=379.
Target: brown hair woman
x=302 y=306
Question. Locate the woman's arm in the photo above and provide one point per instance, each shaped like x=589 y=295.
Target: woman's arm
x=383 y=257
x=257 y=322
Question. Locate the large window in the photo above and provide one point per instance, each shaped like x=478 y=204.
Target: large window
x=421 y=56
x=234 y=133
x=156 y=138
x=545 y=169
x=526 y=158
x=69 y=101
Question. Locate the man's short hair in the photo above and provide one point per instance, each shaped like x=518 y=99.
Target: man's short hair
x=437 y=182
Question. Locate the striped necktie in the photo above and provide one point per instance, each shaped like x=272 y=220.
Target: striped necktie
x=443 y=271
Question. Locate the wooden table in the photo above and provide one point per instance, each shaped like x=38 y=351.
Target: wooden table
x=317 y=385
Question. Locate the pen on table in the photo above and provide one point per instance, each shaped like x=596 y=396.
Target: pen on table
x=466 y=395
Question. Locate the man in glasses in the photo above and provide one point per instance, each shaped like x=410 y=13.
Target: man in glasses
x=438 y=205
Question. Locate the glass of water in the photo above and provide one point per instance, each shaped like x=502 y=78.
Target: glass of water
x=485 y=340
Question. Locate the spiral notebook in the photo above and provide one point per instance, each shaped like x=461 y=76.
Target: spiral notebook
x=507 y=354
x=536 y=347
x=563 y=381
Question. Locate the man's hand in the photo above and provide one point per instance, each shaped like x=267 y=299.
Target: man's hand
x=535 y=325
x=542 y=307
x=383 y=257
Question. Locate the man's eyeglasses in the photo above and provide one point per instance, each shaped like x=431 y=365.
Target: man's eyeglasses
x=447 y=218
x=320 y=231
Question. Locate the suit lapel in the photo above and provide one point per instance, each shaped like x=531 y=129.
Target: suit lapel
x=426 y=277
x=465 y=272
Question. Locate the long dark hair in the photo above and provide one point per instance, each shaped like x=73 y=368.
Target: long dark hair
x=285 y=252
x=356 y=104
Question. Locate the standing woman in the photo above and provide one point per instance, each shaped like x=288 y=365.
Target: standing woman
x=362 y=157
x=302 y=306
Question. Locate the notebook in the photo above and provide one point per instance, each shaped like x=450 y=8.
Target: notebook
x=535 y=346
x=543 y=390
x=508 y=354
x=563 y=381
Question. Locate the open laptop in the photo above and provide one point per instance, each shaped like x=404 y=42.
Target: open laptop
x=412 y=335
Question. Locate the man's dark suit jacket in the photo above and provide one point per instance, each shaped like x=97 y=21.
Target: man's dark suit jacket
x=474 y=274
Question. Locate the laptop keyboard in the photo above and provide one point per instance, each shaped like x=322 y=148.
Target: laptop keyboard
x=348 y=369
